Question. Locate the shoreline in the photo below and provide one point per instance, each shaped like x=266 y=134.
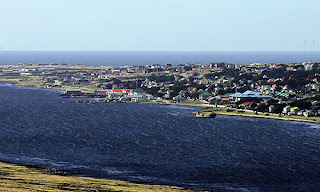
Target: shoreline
x=237 y=112
x=20 y=177
x=221 y=111
x=15 y=175
x=218 y=110
x=27 y=177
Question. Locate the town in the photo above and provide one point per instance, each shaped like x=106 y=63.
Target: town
x=285 y=89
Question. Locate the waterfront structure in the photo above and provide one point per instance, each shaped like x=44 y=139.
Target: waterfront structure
x=71 y=92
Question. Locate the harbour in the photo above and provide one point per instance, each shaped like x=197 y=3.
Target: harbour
x=116 y=141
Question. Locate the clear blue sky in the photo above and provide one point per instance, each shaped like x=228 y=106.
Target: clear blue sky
x=153 y=25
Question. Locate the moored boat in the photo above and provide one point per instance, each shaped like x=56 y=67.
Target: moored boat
x=205 y=115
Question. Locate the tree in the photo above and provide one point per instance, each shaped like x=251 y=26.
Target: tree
x=262 y=107
x=278 y=108
x=152 y=90
x=243 y=89
x=116 y=81
x=302 y=104
x=221 y=92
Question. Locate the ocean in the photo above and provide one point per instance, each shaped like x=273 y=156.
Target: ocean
x=121 y=58
x=161 y=144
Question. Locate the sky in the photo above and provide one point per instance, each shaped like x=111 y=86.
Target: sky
x=159 y=25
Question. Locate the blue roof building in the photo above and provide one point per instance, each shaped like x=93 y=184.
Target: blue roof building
x=139 y=90
x=249 y=94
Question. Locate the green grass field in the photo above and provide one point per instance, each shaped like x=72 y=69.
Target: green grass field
x=190 y=102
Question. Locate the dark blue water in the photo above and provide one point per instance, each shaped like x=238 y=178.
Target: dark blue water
x=120 y=58
x=158 y=143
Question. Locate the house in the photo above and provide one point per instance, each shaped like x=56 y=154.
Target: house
x=249 y=94
x=300 y=113
x=167 y=96
x=115 y=95
x=200 y=91
x=57 y=83
x=283 y=95
x=271 y=108
x=139 y=99
x=308 y=113
x=192 y=89
x=137 y=93
x=182 y=93
x=244 y=105
x=217 y=65
x=178 y=99
x=116 y=90
x=286 y=109
x=103 y=92
x=170 y=91
x=212 y=99
x=294 y=109
x=150 y=97
x=225 y=97
x=25 y=74
x=204 y=96
x=47 y=69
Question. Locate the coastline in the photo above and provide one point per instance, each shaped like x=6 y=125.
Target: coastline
x=264 y=115
x=18 y=177
x=220 y=110
x=26 y=177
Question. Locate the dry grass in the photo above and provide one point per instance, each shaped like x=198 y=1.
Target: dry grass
x=18 y=178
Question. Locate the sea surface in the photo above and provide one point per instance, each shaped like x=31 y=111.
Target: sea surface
x=161 y=144
x=130 y=58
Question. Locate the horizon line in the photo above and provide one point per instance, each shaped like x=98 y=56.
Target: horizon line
x=149 y=50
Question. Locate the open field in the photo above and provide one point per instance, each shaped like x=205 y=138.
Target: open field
x=191 y=102
x=19 y=178
x=32 y=82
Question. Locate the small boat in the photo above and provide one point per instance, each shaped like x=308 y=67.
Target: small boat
x=204 y=115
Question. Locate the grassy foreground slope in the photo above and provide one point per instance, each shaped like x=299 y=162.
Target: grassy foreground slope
x=18 y=178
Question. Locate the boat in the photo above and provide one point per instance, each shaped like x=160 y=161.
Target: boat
x=205 y=115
